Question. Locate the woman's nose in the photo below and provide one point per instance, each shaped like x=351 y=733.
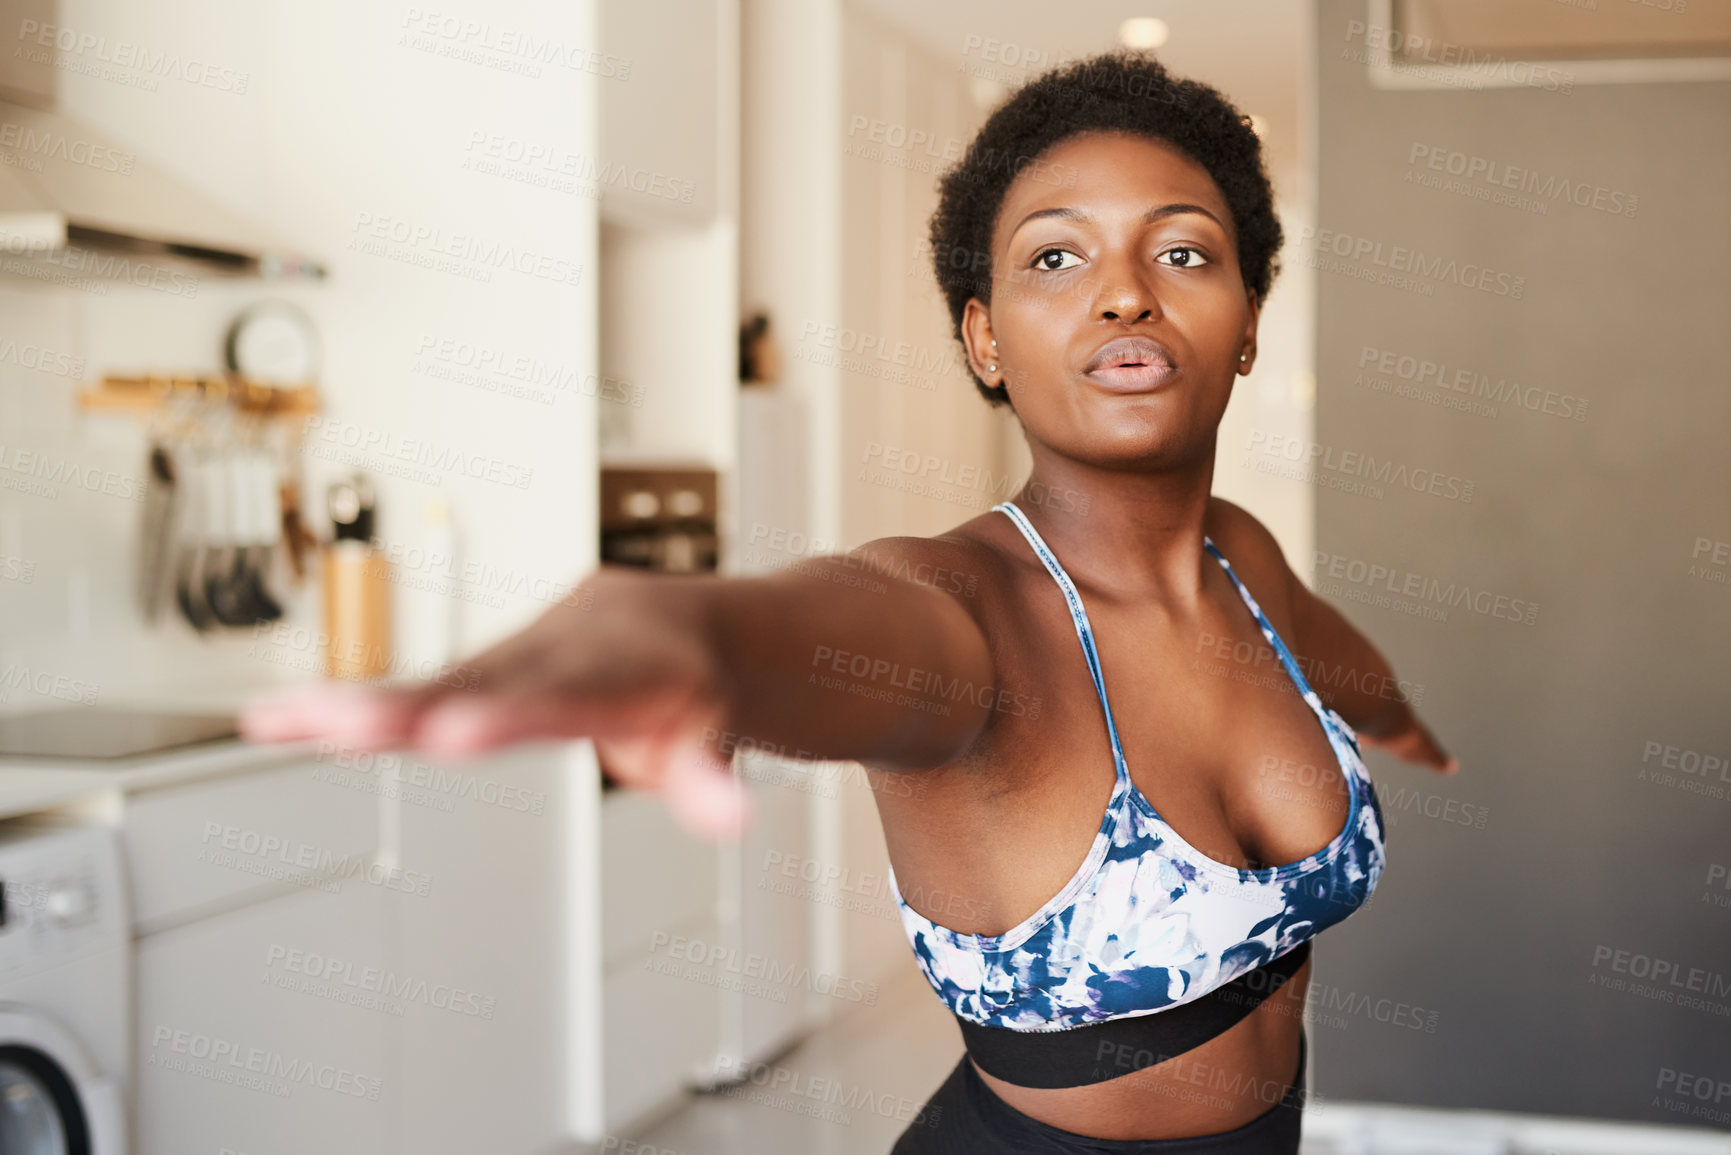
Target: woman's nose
x=1123 y=295
x=1125 y=311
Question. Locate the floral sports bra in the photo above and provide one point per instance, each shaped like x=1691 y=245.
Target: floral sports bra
x=1150 y=941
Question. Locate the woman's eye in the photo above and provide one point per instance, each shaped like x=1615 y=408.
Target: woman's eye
x=1184 y=258
x=1046 y=260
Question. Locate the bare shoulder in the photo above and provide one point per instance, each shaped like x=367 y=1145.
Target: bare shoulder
x=1254 y=553
x=962 y=562
x=972 y=569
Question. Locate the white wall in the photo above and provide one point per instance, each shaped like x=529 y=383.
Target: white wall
x=343 y=119
x=904 y=389
x=906 y=118
x=1277 y=400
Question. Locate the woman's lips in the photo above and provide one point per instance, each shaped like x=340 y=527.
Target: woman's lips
x=1142 y=378
x=1135 y=363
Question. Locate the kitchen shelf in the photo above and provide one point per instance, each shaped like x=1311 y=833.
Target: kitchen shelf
x=152 y=392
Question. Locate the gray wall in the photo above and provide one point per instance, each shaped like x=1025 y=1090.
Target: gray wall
x=1500 y=937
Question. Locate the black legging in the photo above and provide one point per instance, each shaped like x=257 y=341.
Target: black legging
x=966 y=1117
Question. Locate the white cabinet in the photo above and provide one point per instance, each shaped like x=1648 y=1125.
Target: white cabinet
x=263 y=1030
x=213 y=843
x=369 y=954
x=263 y=998
x=664 y=966
x=668 y=283
x=389 y=955
x=657 y=878
x=491 y=837
x=661 y=1025
x=662 y=130
x=670 y=955
x=769 y=924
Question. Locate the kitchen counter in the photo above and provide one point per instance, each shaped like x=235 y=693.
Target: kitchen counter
x=28 y=785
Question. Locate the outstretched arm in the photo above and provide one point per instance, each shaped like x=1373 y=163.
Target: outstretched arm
x=667 y=673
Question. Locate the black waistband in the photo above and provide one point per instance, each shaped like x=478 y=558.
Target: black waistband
x=1100 y=1051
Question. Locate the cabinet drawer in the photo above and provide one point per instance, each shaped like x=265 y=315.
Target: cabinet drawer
x=191 y=846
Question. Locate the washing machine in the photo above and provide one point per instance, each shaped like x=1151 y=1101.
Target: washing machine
x=64 y=991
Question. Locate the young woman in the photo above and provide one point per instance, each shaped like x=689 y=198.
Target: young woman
x=1143 y=871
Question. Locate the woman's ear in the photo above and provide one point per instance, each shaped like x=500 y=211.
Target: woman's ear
x=981 y=346
x=1247 y=347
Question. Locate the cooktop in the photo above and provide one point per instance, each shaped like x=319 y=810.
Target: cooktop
x=107 y=732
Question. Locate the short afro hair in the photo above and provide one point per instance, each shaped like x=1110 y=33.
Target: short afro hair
x=1122 y=91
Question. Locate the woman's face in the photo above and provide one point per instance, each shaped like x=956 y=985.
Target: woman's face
x=1135 y=241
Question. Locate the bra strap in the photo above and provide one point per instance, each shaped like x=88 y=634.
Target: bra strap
x=1268 y=631
x=1079 y=616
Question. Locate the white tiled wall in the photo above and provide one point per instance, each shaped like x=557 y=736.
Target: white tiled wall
x=343 y=119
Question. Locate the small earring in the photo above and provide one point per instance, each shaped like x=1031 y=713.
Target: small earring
x=992 y=368
x=1243 y=357
x=994 y=342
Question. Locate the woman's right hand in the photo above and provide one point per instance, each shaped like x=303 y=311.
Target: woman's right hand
x=626 y=660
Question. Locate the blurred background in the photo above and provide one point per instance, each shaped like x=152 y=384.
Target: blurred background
x=341 y=340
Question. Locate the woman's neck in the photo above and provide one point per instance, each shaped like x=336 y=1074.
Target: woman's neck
x=1135 y=532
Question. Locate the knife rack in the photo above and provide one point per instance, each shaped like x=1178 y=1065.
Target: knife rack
x=156 y=391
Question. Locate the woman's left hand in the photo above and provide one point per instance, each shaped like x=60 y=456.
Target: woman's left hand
x=1415 y=743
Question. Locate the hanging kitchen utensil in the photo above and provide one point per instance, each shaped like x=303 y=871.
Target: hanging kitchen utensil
x=224 y=581
x=264 y=527
x=157 y=535
x=295 y=534
x=189 y=588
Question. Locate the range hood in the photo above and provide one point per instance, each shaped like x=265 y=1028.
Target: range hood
x=68 y=189
x=65 y=186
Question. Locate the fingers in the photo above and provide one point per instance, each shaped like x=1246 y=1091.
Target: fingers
x=1431 y=753
x=359 y=716
x=464 y=725
x=703 y=795
x=1417 y=745
x=378 y=717
x=696 y=782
